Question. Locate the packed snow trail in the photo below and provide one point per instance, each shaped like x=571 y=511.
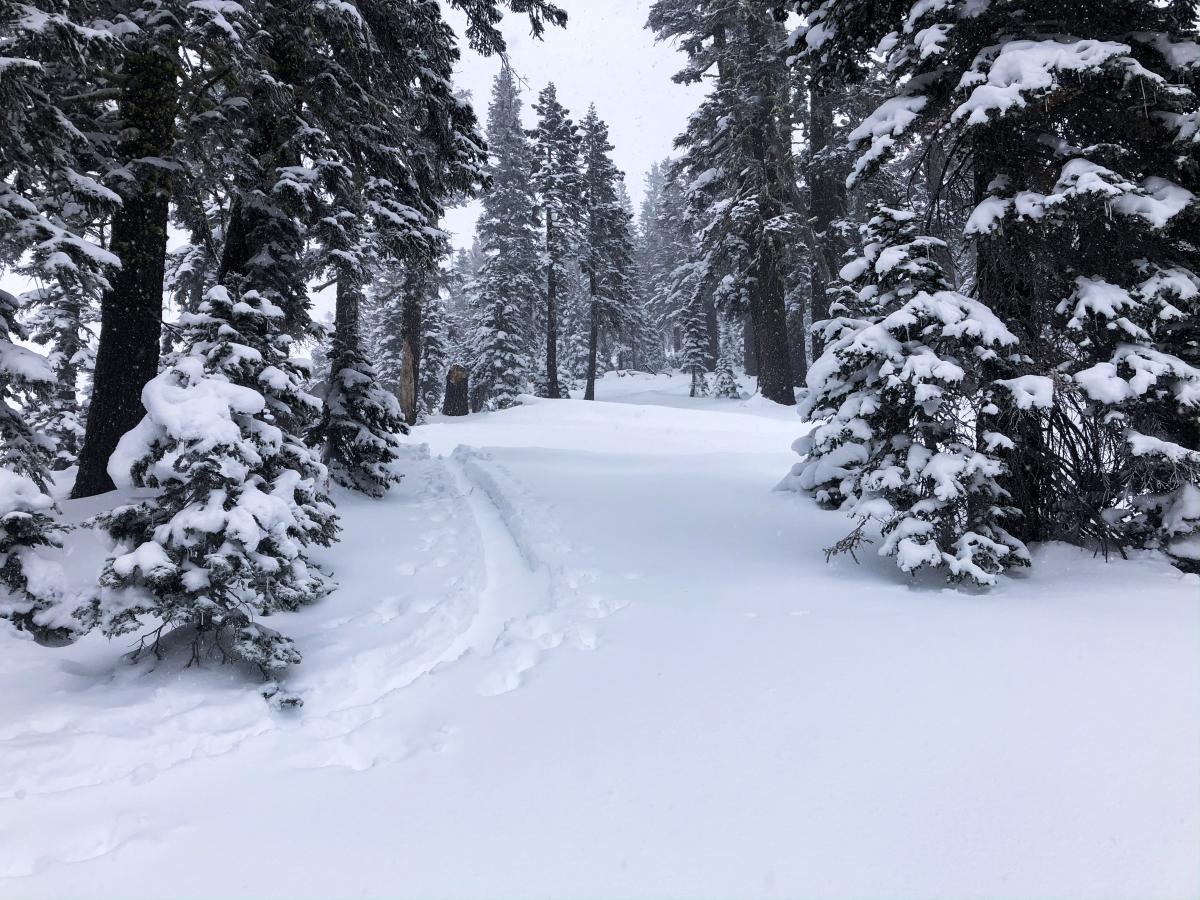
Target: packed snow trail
x=584 y=650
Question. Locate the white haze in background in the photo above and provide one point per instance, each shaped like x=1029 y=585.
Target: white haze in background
x=604 y=56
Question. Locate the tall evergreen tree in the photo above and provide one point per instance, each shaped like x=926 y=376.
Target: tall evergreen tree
x=435 y=355
x=693 y=357
x=558 y=190
x=737 y=161
x=606 y=247
x=53 y=202
x=507 y=288
x=667 y=243
x=168 y=78
x=1079 y=134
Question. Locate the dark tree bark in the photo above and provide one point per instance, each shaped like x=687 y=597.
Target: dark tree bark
x=749 y=348
x=936 y=222
x=799 y=349
x=827 y=204
x=458 y=390
x=552 y=389
x=410 y=320
x=1007 y=282
x=767 y=135
x=593 y=342
x=131 y=310
x=770 y=317
x=345 y=325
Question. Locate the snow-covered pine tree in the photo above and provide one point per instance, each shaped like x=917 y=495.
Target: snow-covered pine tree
x=359 y=429
x=1077 y=120
x=62 y=321
x=574 y=326
x=460 y=284
x=435 y=355
x=52 y=199
x=666 y=245
x=606 y=244
x=30 y=585
x=507 y=286
x=694 y=356
x=361 y=420
x=724 y=380
x=558 y=187
x=241 y=499
x=172 y=79
x=737 y=167
x=404 y=294
x=906 y=394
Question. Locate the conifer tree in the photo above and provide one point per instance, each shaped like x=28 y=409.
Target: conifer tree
x=52 y=196
x=693 y=357
x=606 y=245
x=241 y=499
x=173 y=68
x=724 y=380
x=361 y=420
x=435 y=355
x=30 y=585
x=62 y=321
x=667 y=244
x=1079 y=135
x=507 y=286
x=738 y=169
x=905 y=384
x=558 y=187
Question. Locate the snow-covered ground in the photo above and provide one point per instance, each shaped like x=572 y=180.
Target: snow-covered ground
x=584 y=650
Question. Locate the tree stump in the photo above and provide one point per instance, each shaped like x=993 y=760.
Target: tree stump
x=457 y=384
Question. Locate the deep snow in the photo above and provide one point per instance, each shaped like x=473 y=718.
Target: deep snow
x=584 y=650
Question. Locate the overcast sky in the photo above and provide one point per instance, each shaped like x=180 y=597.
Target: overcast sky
x=604 y=56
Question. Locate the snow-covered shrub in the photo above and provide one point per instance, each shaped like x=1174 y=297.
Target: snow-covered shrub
x=239 y=496
x=903 y=395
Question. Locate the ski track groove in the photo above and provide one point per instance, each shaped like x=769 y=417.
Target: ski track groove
x=513 y=602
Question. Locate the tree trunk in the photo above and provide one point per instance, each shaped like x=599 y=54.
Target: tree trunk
x=1006 y=284
x=593 y=341
x=552 y=389
x=345 y=329
x=768 y=143
x=770 y=328
x=749 y=347
x=131 y=309
x=458 y=390
x=935 y=173
x=827 y=204
x=410 y=351
x=406 y=389
x=797 y=330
